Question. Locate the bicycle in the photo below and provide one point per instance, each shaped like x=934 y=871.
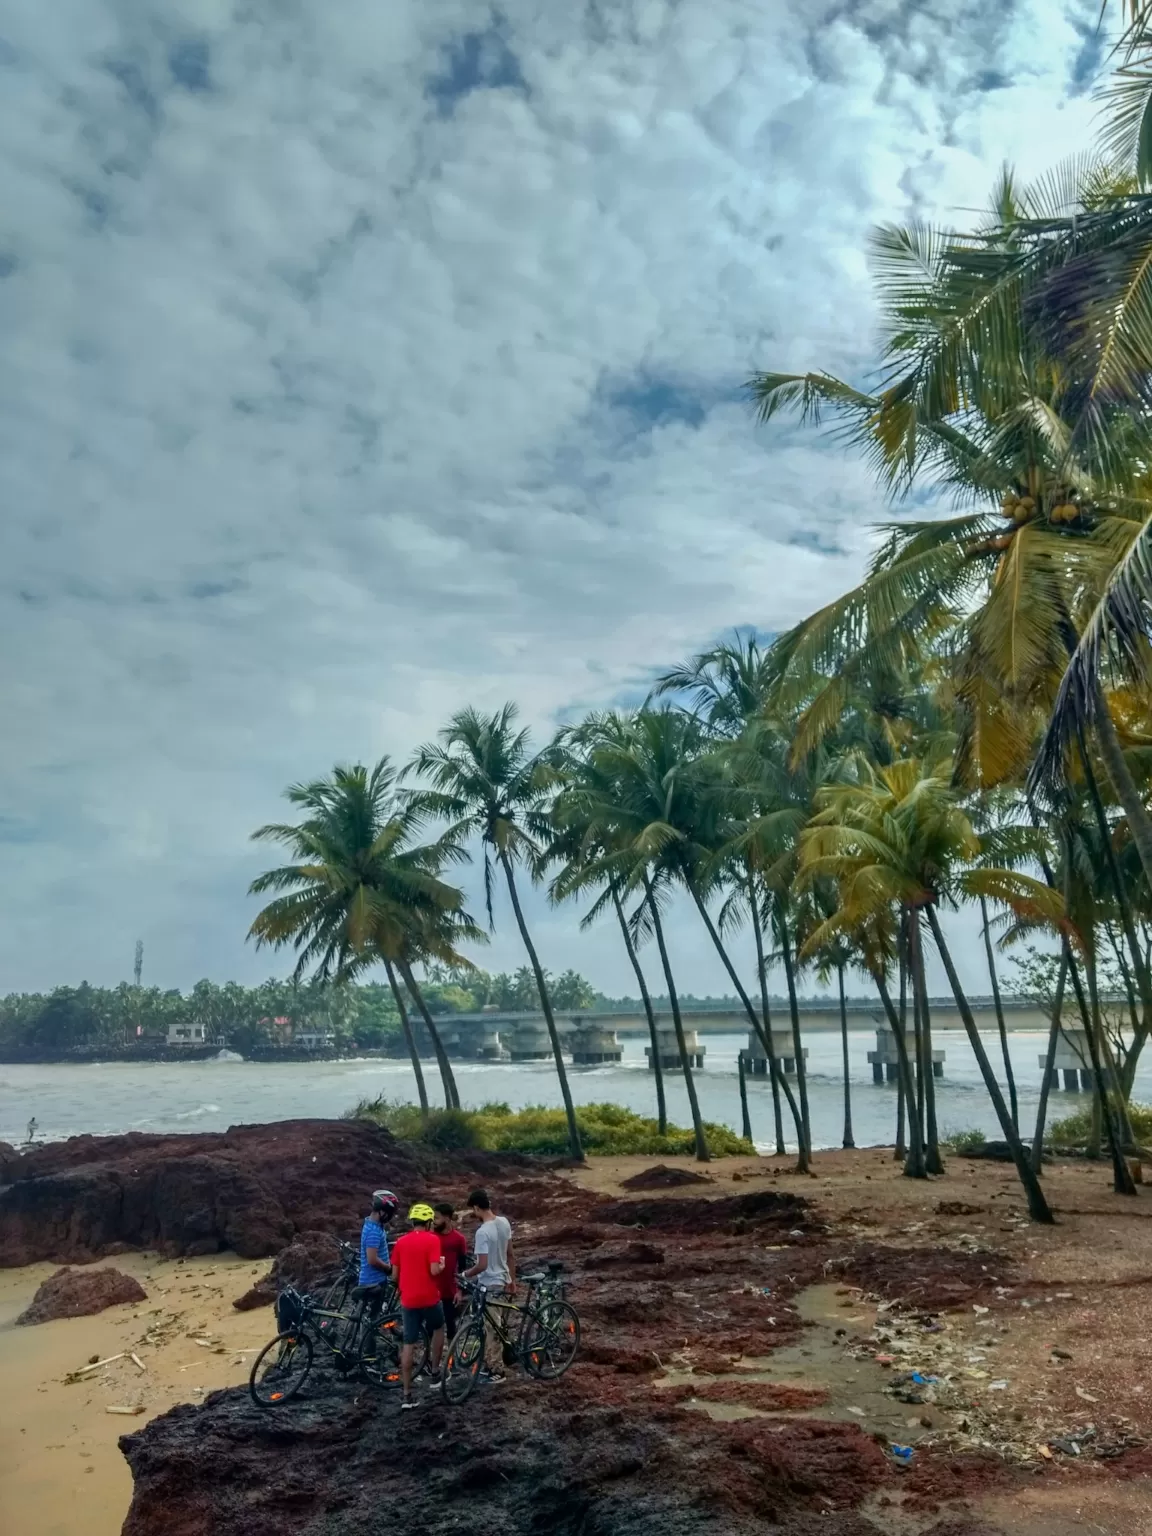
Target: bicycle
x=545 y=1343
x=334 y=1293
x=365 y=1342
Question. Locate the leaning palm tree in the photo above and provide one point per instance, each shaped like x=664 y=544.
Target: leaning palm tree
x=581 y=842
x=362 y=891
x=899 y=837
x=482 y=777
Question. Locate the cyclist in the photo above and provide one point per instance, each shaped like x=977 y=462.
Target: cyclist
x=375 y=1269
x=494 y=1267
x=454 y=1249
x=417 y=1264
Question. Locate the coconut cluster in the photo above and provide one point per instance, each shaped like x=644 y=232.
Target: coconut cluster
x=1021 y=509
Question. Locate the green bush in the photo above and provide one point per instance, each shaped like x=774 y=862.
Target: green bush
x=967 y=1141
x=607 y=1130
x=1075 y=1130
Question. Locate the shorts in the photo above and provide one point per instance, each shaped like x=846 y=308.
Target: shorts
x=421 y=1320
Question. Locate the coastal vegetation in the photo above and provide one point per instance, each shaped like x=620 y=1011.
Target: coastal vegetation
x=606 y=1130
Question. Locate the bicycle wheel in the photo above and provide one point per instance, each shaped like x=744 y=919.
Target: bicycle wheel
x=551 y=1340
x=463 y=1360
x=280 y=1369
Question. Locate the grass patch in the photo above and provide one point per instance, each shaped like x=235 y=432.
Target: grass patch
x=966 y=1141
x=1075 y=1130
x=607 y=1130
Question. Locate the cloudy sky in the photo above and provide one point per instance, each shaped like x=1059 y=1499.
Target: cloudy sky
x=362 y=361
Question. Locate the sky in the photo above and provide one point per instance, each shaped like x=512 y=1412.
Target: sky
x=365 y=361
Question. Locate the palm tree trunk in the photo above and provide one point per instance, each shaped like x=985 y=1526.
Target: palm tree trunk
x=766 y=1015
x=914 y=1166
x=932 y=1159
x=574 y=1143
x=1049 y=1065
x=900 y=1151
x=1122 y=1180
x=1009 y=1075
x=848 y=1138
x=745 y=1118
x=764 y=1032
x=1038 y=1207
x=409 y=1038
x=451 y=1094
x=702 y=1153
x=649 y=1013
x=1123 y=784
x=794 y=1010
x=1141 y=1027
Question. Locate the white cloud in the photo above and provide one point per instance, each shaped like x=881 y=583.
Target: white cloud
x=338 y=396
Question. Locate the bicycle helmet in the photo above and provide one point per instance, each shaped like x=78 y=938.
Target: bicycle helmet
x=384 y=1204
x=421 y=1212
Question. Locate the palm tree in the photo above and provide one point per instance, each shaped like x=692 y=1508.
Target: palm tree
x=485 y=781
x=362 y=891
x=638 y=791
x=580 y=843
x=898 y=836
x=985 y=412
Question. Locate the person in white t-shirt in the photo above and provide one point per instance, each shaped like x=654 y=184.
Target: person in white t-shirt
x=494 y=1265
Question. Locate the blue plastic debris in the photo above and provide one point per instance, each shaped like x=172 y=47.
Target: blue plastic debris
x=902 y=1452
x=924 y=1381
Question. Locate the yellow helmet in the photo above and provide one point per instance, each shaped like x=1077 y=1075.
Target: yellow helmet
x=421 y=1212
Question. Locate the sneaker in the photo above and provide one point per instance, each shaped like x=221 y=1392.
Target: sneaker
x=406 y=1403
x=493 y=1378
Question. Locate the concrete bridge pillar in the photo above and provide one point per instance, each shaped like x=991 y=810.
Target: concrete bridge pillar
x=756 y=1057
x=886 y=1060
x=669 y=1048
x=451 y=1036
x=1072 y=1061
x=529 y=1042
x=487 y=1044
x=593 y=1045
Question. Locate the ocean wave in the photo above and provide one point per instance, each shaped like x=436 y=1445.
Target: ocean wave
x=194 y=1114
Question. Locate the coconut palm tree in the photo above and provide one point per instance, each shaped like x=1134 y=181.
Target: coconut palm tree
x=580 y=844
x=989 y=417
x=483 y=778
x=362 y=891
x=898 y=836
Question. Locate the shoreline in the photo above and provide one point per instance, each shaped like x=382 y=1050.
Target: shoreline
x=61 y=1469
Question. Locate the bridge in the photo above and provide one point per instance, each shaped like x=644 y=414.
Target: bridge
x=593 y=1038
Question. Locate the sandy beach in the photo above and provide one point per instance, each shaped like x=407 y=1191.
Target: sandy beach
x=61 y=1471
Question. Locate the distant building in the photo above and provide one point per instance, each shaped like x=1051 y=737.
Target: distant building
x=185 y=1034
x=312 y=1038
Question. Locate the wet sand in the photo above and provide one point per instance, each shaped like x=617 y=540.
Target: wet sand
x=61 y=1471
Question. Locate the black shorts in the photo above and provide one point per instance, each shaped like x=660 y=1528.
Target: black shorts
x=421 y=1320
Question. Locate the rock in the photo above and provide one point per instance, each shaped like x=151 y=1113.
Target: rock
x=624 y=1256
x=305 y=1264
x=80 y=1292
x=252 y=1188
x=664 y=1177
x=520 y=1461
x=9 y=1160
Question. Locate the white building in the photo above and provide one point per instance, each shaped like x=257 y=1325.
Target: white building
x=185 y=1034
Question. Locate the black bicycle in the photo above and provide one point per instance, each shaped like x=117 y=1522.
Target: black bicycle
x=364 y=1342
x=542 y=1337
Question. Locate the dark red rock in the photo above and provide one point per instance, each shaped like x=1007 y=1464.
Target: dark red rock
x=664 y=1177
x=251 y=1188
x=80 y=1292
x=624 y=1256
x=308 y=1261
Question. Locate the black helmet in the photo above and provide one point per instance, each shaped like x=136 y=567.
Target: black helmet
x=384 y=1204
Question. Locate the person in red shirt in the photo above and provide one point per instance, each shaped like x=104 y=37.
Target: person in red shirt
x=417 y=1265
x=454 y=1248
